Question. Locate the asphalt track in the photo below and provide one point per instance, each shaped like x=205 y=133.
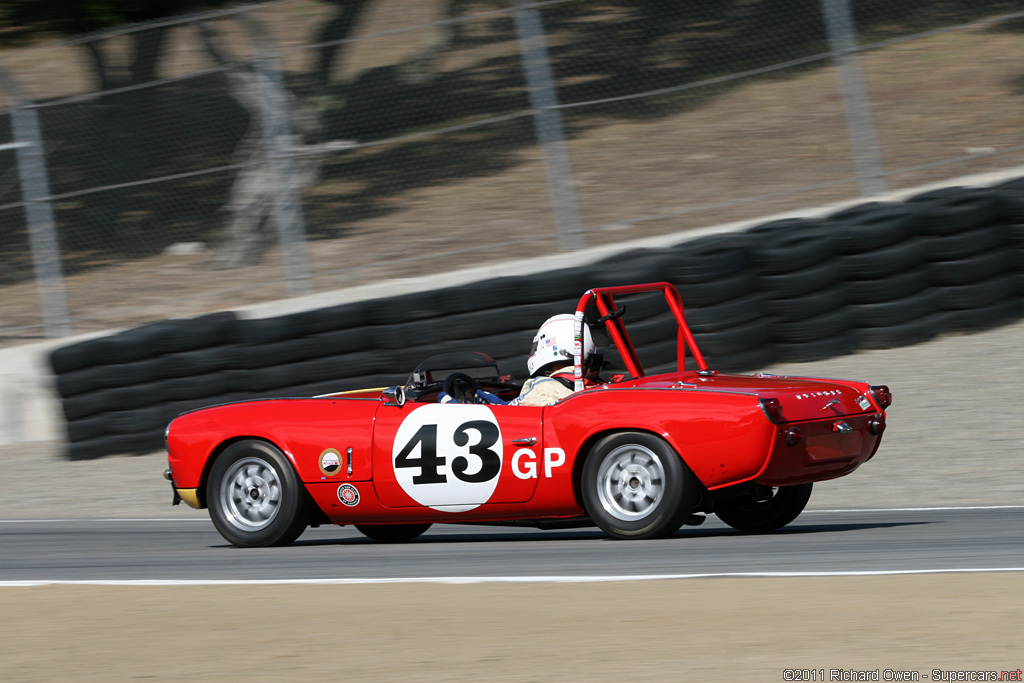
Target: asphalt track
x=827 y=542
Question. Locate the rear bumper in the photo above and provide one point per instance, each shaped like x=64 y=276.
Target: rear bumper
x=825 y=451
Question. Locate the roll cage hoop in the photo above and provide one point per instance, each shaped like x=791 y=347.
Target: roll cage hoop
x=611 y=317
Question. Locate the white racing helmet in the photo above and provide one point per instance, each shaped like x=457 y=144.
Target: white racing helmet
x=553 y=343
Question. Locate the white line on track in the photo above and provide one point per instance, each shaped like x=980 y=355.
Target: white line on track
x=499 y=579
x=204 y=518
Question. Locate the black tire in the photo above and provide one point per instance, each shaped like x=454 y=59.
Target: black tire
x=888 y=288
x=903 y=334
x=807 y=306
x=392 y=533
x=818 y=349
x=954 y=209
x=639 y=265
x=724 y=315
x=757 y=358
x=710 y=258
x=650 y=331
x=716 y=291
x=977 y=294
x=871 y=265
x=636 y=486
x=254 y=331
x=325 y=320
x=255 y=497
x=787 y=249
x=1010 y=199
x=822 y=326
x=897 y=311
x=735 y=339
x=965 y=244
x=985 y=317
x=973 y=269
x=801 y=282
x=746 y=514
x=875 y=229
x=407 y=307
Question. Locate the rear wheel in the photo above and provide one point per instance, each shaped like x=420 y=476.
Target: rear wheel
x=255 y=497
x=392 y=533
x=747 y=514
x=635 y=486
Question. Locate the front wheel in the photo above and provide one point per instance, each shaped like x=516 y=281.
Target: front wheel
x=747 y=514
x=255 y=497
x=392 y=533
x=636 y=486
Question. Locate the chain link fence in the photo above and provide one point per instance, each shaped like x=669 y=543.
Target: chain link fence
x=221 y=159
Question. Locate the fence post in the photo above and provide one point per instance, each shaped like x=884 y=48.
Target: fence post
x=548 y=122
x=35 y=192
x=277 y=136
x=843 y=40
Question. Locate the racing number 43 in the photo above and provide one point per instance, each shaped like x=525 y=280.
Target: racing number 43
x=428 y=461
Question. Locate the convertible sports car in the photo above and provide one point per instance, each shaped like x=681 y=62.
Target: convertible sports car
x=639 y=455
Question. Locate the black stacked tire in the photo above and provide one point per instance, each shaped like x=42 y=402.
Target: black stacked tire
x=884 y=265
x=723 y=307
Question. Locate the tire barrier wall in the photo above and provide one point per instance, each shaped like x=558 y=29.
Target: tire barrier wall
x=875 y=275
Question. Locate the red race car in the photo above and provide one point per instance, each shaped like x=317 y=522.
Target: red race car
x=638 y=455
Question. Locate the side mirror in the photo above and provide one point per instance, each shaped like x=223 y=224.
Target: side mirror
x=394 y=396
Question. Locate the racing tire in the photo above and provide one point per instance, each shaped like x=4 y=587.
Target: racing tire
x=392 y=533
x=255 y=497
x=636 y=486
x=746 y=514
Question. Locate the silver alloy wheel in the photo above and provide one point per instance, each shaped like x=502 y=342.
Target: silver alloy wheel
x=631 y=482
x=250 y=494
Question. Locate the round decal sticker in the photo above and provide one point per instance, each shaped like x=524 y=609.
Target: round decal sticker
x=448 y=457
x=330 y=462
x=348 y=495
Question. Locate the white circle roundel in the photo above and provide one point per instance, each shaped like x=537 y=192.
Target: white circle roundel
x=448 y=457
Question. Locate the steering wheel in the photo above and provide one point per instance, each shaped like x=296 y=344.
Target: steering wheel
x=461 y=387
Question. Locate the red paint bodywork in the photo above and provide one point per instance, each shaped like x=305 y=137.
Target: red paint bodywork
x=715 y=423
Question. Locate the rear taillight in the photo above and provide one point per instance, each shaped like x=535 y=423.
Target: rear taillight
x=794 y=435
x=772 y=409
x=882 y=396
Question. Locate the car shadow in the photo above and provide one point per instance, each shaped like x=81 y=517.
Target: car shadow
x=518 y=535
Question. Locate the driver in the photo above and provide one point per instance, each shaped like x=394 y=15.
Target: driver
x=550 y=366
x=551 y=362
